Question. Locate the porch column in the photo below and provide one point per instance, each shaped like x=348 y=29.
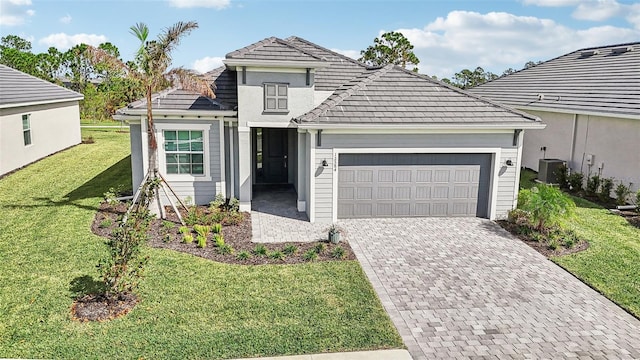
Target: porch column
x=244 y=168
x=302 y=171
x=311 y=196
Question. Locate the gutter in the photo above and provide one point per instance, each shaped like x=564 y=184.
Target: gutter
x=458 y=126
x=167 y=112
x=275 y=63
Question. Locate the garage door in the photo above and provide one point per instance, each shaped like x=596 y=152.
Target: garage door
x=367 y=187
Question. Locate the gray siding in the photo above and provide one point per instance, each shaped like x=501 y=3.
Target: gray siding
x=201 y=192
x=137 y=170
x=506 y=180
x=415 y=140
x=324 y=185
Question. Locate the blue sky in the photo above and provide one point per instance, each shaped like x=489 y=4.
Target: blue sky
x=448 y=35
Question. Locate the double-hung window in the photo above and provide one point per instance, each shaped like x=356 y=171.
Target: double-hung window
x=275 y=97
x=184 y=151
x=26 y=129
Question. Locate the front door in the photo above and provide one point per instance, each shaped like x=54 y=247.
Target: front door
x=275 y=156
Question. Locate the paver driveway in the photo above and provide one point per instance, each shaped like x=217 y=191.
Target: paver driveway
x=465 y=288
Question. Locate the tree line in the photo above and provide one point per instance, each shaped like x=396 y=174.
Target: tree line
x=105 y=87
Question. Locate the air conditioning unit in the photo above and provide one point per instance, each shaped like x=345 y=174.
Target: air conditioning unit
x=548 y=170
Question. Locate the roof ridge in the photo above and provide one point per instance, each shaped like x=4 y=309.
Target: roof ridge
x=270 y=40
x=354 y=61
x=42 y=80
x=606 y=46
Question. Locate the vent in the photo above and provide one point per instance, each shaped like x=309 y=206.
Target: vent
x=621 y=50
x=589 y=53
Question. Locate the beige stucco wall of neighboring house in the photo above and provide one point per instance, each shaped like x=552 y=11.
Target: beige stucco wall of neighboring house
x=612 y=142
x=53 y=127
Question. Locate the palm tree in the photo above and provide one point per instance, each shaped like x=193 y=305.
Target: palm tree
x=152 y=69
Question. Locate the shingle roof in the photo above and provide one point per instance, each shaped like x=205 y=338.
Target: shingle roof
x=17 y=88
x=177 y=99
x=272 y=49
x=393 y=95
x=340 y=68
x=597 y=80
x=226 y=84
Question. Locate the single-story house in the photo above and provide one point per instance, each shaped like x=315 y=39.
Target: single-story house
x=352 y=141
x=37 y=119
x=590 y=101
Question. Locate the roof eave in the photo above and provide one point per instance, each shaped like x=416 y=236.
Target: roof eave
x=233 y=64
x=176 y=112
x=578 y=112
x=40 y=102
x=434 y=126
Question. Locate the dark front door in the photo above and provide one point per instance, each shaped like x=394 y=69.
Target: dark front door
x=275 y=155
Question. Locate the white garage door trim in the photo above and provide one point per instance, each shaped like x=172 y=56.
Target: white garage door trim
x=493 y=183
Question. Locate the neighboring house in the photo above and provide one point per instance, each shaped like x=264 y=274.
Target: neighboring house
x=37 y=118
x=590 y=101
x=352 y=141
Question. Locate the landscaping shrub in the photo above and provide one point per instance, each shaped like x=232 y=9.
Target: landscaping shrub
x=105 y=223
x=276 y=255
x=195 y=215
x=216 y=228
x=606 y=185
x=310 y=255
x=225 y=249
x=187 y=239
x=319 y=248
x=575 y=181
x=562 y=174
x=545 y=204
x=260 y=250
x=622 y=192
x=202 y=230
x=202 y=241
x=290 y=249
x=184 y=230
x=338 y=253
x=234 y=218
x=593 y=184
x=243 y=255
x=219 y=239
x=217 y=203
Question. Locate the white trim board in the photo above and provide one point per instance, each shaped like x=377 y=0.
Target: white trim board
x=493 y=183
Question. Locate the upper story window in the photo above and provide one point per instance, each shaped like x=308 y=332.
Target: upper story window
x=275 y=97
x=184 y=151
x=26 y=129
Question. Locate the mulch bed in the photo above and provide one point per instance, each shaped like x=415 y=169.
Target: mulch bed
x=237 y=236
x=100 y=307
x=631 y=216
x=542 y=247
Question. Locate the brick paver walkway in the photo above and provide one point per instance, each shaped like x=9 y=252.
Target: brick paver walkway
x=464 y=288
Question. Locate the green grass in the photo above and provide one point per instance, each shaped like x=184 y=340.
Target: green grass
x=611 y=264
x=191 y=307
x=100 y=122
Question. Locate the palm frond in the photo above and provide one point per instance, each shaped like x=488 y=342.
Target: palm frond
x=190 y=80
x=99 y=56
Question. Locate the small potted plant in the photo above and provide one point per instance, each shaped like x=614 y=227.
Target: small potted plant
x=334 y=233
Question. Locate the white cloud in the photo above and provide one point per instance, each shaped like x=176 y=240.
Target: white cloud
x=216 y=4
x=354 y=54
x=598 y=10
x=207 y=63
x=498 y=40
x=12 y=12
x=66 y=19
x=64 y=41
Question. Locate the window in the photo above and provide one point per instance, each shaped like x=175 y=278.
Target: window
x=26 y=129
x=184 y=151
x=275 y=97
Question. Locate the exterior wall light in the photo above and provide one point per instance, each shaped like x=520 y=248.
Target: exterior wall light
x=325 y=163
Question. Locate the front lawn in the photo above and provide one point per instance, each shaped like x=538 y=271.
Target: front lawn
x=191 y=307
x=611 y=264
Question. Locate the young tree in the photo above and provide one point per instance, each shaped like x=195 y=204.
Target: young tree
x=390 y=48
x=467 y=79
x=152 y=70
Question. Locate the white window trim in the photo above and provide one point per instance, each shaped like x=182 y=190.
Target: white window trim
x=493 y=181
x=28 y=129
x=277 y=97
x=162 y=161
